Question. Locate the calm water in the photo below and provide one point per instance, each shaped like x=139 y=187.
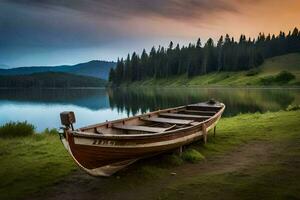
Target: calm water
x=42 y=107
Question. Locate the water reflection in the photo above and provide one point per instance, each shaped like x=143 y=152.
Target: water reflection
x=42 y=107
x=93 y=99
x=237 y=100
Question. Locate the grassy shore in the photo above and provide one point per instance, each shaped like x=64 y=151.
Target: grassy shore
x=268 y=74
x=271 y=174
x=31 y=163
x=218 y=169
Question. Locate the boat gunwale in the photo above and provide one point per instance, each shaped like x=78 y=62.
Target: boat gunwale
x=76 y=133
x=130 y=118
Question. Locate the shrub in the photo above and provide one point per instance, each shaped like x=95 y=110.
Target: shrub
x=193 y=156
x=284 y=77
x=16 y=129
x=52 y=131
x=281 y=78
x=293 y=107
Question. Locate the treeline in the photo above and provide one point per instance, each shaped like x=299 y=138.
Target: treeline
x=50 y=80
x=197 y=59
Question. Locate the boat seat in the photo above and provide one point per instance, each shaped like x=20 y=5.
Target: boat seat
x=200 y=112
x=185 y=116
x=203 y=107
x=168 y=120
x=142 y=128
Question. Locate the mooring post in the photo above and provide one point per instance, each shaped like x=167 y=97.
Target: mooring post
x=179 y=150
x=215 y=129
x=204 y=133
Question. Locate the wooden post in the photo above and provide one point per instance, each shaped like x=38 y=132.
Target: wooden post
x=179 y=150
x=215 y=128
x=204 y=133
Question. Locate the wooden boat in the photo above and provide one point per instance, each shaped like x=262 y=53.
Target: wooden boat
x=103 y=149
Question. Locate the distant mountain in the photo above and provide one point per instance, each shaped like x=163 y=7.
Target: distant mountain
x=50 y=80
x=2 y=66
x=95 y=68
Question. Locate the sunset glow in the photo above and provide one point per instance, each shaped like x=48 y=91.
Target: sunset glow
x=52 y=32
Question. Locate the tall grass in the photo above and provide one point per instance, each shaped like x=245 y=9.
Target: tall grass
x=192 y=155
x=16 y=129
x=52 y=131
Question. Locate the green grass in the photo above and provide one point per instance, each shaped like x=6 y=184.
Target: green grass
x=16 y=129
x=192 y=155
x=276 y=178
x=52 y=131
x=33 y=163
x=30 y=164
x=271 y=68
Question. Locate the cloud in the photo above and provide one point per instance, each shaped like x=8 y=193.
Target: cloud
x=127 y=8
x=23 y=25
x=77 y=23
x=35 y=29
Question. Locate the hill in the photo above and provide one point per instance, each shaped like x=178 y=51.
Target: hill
x=95 y=68
x=275 y=71
x=50 y=80
x=225 y=55
x=3 y=66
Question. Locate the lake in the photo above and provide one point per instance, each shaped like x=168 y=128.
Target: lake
x=41 y=107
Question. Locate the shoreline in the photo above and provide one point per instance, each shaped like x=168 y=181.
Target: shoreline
x=209 y=87
x=156 y=86
x=51 y=88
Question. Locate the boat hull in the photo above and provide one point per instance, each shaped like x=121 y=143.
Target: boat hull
x=103 y=156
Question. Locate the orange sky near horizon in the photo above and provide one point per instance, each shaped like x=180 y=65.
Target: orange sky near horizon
x=265 y=16
x=71 y=31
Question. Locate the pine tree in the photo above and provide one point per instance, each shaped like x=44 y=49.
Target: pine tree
x=227 y=55
x=111 y=77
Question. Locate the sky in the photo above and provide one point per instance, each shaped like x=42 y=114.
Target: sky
x=56 y=32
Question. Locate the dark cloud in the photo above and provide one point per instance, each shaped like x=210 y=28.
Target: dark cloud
x=23 y=25
x=40 y=26
x=128 y=8
x=78 y=23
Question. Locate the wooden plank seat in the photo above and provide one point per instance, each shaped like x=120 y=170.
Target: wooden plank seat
x=141 y=128
x=168 y=120
x=204 y=106
x=184 y=116
x=198 y=112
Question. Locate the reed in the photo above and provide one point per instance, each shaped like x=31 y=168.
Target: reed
x=16 y=129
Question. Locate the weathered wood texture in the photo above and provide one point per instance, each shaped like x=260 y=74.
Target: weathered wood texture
x=140 y=128
x=93 y=151
x=183 y=116
x=168 y=120
x=198 y=112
